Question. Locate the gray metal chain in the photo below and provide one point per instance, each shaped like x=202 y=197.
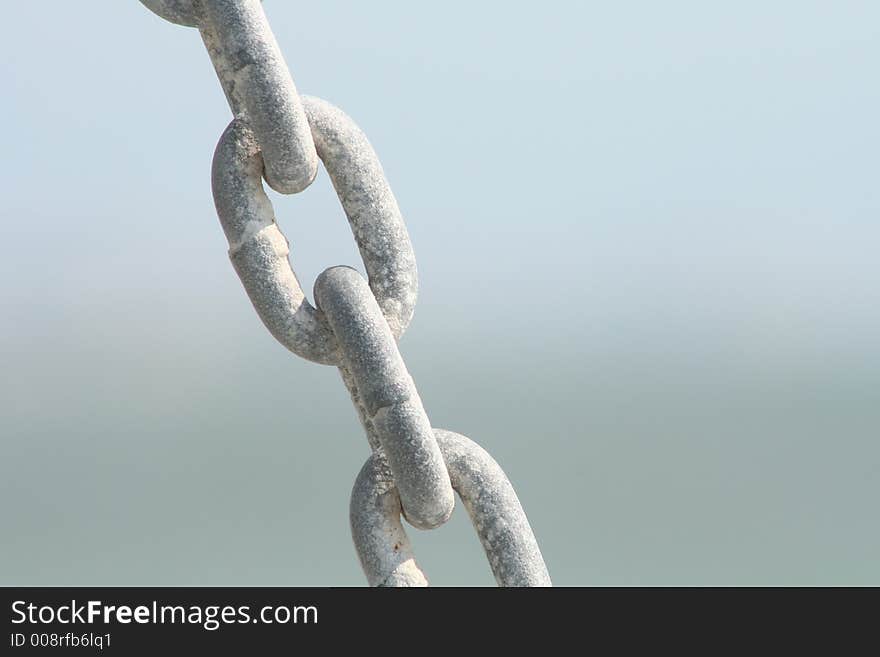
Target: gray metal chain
x=277 y=135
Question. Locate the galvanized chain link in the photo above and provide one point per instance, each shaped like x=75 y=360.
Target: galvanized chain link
x=277 y=135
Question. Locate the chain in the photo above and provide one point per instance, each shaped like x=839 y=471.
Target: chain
x=279 y=136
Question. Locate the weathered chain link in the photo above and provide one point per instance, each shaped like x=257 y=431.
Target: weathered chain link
x=382 y=544
x=259 y=251
x=279 y=136
x=388 y=402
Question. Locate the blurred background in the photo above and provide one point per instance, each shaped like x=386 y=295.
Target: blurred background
x=647 y=236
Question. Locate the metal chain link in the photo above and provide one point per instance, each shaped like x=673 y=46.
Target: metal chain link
x=277 y=135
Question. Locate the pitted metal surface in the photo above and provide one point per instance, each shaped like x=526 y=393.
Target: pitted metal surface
x=180 y=12
x=279 y=136
x=495 y=511
x=372 y=211
x=260 y=90
x=388 y=395
x=259 y=250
